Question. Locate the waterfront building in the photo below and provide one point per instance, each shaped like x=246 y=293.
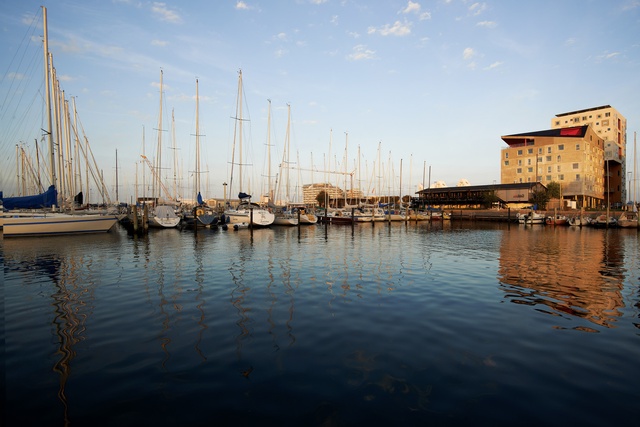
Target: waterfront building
x=611 y=126
x=514 y=195
x=571 y=156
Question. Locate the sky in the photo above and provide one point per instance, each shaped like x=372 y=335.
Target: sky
x=397 y=93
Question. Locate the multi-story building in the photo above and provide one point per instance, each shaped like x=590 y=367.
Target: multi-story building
x=611 y=126
x=572 y=157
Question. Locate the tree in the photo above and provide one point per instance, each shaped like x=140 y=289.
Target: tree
x=321 y=198
x=553 y=190
x=489 y=198
x=540 y=198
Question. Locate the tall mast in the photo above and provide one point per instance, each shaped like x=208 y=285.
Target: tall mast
x=47 y=80
x=156 y=185
x=197 y=142
x=269 y=189
x=240 y=129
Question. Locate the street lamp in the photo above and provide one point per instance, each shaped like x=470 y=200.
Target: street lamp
x=224 y=185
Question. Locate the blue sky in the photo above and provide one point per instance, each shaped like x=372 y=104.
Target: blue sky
x=433 y=83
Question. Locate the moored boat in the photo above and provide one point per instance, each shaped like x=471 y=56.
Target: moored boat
x=557 y=220
x=628 y=220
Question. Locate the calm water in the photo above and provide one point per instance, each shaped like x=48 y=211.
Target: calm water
x=442 y=324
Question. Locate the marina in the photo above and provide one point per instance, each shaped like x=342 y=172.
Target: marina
x=401 y=323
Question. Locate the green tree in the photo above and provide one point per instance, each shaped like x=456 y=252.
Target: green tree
x=321 y=198
x=540 y=198
x=553 y=190
x=489 y=198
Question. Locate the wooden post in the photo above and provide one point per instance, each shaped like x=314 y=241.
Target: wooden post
x=145 y=218
x=134 y=213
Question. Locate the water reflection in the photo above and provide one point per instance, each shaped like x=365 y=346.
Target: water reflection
x=565 y=272
x=70 y=270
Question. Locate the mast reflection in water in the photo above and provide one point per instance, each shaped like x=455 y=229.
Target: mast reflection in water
x=446 y=323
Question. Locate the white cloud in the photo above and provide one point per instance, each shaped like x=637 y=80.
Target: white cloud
x=397 y=29
x=494 y=65
x=165 y=14
x=411 y=8
x=360 y=52
x=160 y=43
x=487 y=24
x=415 y=8
x=468 y=53
x=318 y=1
x=242 y=5
x=570 y=41
x=334 y=20
x=477 y=8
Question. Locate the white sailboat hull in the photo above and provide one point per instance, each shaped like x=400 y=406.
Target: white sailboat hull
x=261 y=217
x=164 y=217
x=56 y=224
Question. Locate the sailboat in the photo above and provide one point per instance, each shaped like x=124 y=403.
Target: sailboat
x=283 y=215
x=201 y=215
x=247 y=214
x=161 y=216
x=44 y=218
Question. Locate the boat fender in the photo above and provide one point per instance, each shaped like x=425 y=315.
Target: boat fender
x=199 y=212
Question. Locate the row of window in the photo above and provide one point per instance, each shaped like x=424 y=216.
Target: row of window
x=585 y=118
x=549 y=150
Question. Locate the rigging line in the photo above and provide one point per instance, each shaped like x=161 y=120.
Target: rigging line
x=29 y=33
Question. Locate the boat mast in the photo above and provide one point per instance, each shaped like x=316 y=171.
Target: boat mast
x=156 y=182
x=197 y=142
x=269 y=189
x=47 y=80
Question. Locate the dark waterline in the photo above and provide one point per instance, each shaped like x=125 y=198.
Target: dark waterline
x=403 y=324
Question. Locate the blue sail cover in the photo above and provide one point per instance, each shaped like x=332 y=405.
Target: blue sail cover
x=44 y=200
x=242 y=196
x=199 y=198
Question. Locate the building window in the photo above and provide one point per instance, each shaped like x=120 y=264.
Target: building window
x=584 y=118
x=560 y=147
x=557 y=122
x=519 y=152
x=506 y=162
x=575 y=166
x=530 y=151
x=607 y=114
x=528 y=161
x=548 y=178
x=577 y=177
x=539 y=178
x=558 y=159
x=540 y=150
x=558 y=168
x=519 y=162
x=577 y=147
x=519 y=170
x=548 y=158
x=530 y=170
x=539 y=159
x=548 y=169
x=576 y=119
x=506 y=155
x=605 y=123
x=561 y=177
x=548 y=149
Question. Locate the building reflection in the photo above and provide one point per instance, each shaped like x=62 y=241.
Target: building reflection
x=566 y=272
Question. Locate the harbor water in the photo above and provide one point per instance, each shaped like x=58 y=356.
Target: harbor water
x=439 y=324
